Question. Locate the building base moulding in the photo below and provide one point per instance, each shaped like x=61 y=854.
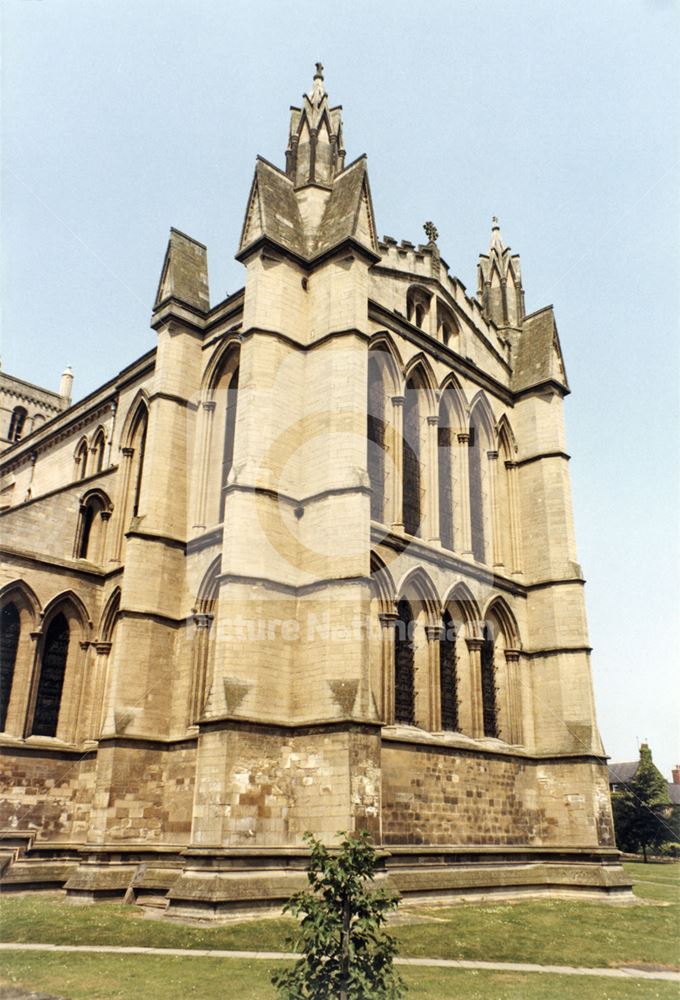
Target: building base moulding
x=223 y=884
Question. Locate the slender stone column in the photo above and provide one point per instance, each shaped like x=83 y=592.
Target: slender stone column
x=101 y=668
x=513 y=501
x=204 y=459
x=477 y=712
x=433 y=478
x=514 y=696
x=464 y=530
x=434 y=635
x=203 y=623
x=398 y=431
x=388 y=621
x=496 y=526
x=127 y=454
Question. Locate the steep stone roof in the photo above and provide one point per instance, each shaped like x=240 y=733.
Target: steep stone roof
x=537 y=356
x=185 y=272
x=274 y=212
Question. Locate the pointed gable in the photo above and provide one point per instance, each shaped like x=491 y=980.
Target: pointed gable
x=273 y=211
x=349 y=212
x=185 y=272
x=537 y=357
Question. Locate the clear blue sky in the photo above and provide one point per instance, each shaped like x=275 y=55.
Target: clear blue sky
x=121 y=118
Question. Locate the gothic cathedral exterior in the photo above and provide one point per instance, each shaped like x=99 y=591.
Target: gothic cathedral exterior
x=308 y=565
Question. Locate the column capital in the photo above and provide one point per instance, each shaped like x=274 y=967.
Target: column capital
x=105 y=514
x=474 y=643
x=433 y=633
x=512 y=655
x=433 y=420
x=398 y=400
x=388 y=619
x=464 y=437
x=492 y=455
x=202 y=619
x=208 y=404
x=127 y=452
x=103 y=648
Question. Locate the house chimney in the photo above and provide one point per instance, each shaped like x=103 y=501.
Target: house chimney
x=676 y=774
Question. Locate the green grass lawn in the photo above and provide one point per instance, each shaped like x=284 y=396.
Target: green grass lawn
x=562 y=932
x=135 y=977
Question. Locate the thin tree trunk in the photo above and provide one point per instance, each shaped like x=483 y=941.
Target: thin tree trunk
x=344 y=974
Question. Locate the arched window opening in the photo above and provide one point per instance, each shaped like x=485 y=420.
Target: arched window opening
x=448 y=674
x=51 y=682
x=447 y=327
x=229 y=436
x=90 y=533
x=139 y=446
x=417 y=305
x=489 y=708
x=17 y=422
x=404 y=693
x=9 y=643
x=98 y=452
x=445 y=440
x=476 y=493
x=375 y=433
x=411 y=492
x=81 y=461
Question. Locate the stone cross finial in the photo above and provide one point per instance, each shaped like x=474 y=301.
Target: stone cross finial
x=431 y=232
x=317 y=93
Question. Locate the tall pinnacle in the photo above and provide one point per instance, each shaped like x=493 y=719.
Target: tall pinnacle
x=496 y=241
x=499 y=281
x=315 y=151
x=318 y=92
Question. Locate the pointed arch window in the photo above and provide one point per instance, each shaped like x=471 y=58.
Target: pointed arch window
x=9 y=643
x=375 y=433
x=17 y=423
x=139 y=446
x=81 y=460
x=411 y=486
x=98 y=451
x=51 y=682
x=94 y=513
x=489 y=707
x=448 y=674
x=404 y=692
x=229 y=436
x=417 y=305
x=476 y=492
x=445 y=435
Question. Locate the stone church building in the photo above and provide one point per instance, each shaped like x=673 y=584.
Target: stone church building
x=307 y=565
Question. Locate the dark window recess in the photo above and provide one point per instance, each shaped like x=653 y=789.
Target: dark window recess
x=88 y=516
x=9 y=642
x=229 y=436
x=445 y=483
x=140 y=465
x=411 y=482
x=404 y=708
x=476 y=496
x=16 y=424
x=375 y=432
x=448 y=679
x=51 y=683
x=489 y=713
